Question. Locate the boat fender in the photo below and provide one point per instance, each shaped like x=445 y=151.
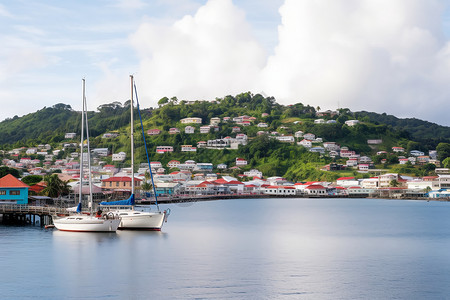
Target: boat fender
x=110 y=215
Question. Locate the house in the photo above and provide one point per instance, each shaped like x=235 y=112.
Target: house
x=319 y=121
x=236 y=129
x=13 y=191
x=316 y=190
x=103 y=152
x=163 y=149
x=119 y=156
x=219 y=143
x=398 y=149
x=189 y=129
x=286 y=138
x=298 y=134
x=214 y=121
x=201 y=144
x=262 y=125
x=221 y=166
x=309 y=136
x=374 y=142
x=188 y=148
x=174 y=130
x=305 y=143
x=120 y=183
x=416 y=153
x=153 y=131
x=347 y=181
x=70 y=135
x=173 y=164
x=253 y=173
x=279 y=190
x=205 y=129
x=191 y=120
x=241 y=162
x=110 y=135
x=351 y=122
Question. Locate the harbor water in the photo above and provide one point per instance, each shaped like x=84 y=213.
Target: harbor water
x=242 y=249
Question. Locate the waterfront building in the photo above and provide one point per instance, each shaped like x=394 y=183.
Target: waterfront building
x=13 y=191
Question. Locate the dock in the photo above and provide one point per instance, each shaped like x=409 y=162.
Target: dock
x=27 y=214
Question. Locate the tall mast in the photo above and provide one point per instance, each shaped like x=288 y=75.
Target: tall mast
x=81 y=146
x=132 y=137
x=88 y=148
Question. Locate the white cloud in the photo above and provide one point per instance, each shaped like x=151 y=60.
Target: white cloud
x=385 y=56
x=203 y=56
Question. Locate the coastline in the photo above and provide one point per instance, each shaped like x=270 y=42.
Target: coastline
x=197 y=198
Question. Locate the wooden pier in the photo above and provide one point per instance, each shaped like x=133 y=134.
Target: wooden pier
x=26 y=214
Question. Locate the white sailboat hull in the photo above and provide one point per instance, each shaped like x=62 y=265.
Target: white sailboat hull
x=137 y=220
x=86 y=224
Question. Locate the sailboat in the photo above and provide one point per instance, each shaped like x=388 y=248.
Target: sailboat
x=80 y=221
x=130 y=218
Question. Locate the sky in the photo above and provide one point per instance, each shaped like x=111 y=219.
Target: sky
x=386 y=56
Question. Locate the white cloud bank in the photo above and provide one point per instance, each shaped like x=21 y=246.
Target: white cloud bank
x=385 y=56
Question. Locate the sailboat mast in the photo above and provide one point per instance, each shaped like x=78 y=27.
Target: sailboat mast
x=132 y=137
x=81 y=145
x=88 y=148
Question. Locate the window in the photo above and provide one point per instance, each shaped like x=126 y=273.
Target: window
x=2 y=192
x=14 y=192
x=117 y=184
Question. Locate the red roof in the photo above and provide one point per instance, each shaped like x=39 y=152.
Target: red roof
x=315 y=187
x=9 y=181
x=234 y=182
x=221 y=181
x=346 y=178
x=120 y=179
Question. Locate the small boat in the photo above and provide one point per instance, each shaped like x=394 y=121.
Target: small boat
x=82 y=222
x=130 y=218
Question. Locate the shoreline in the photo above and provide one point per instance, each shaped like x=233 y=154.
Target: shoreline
x=183 y=199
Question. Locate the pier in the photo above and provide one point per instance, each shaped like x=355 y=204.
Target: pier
x=26 y=214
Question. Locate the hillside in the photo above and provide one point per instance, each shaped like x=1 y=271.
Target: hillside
x=266 y=152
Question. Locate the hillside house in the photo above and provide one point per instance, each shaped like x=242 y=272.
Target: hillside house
x=70 y=135
x=214 y=121
x=174 y=130
x=163 y=149
x=154 y=131
x=189 y=129
x=351 y=122
x=191 y=121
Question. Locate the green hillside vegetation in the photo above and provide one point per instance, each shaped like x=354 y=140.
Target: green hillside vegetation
x=270 y=156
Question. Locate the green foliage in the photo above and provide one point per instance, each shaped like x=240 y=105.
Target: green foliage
x=32 y=179
x=6 y=170
x=55 y=186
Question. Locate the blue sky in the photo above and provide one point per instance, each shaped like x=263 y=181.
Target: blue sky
x=388 y=56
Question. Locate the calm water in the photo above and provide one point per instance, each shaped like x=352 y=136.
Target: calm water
x=243 y=249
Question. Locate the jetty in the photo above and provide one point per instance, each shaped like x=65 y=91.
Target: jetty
x=27 y=214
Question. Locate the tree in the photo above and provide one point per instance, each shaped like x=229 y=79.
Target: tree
x=55 y=186
x=6 y=170
x=163 y=101
x=443 y=150
x=32 y=179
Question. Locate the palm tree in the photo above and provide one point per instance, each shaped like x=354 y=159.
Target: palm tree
x=146 y=186
x=55 y=186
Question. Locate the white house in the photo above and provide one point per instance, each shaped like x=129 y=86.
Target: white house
x=188 y=148
x=189 y=129
x=286 y=138
x=253 y=173
x=214 y=121
x=305 y=143
x=309 y=136
x=205 y=129
x=351 y=122
x=241 y=162
x=262 y=125
x=119 y=156
x=298 y=134
x=191 y=120
x=70 y=135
